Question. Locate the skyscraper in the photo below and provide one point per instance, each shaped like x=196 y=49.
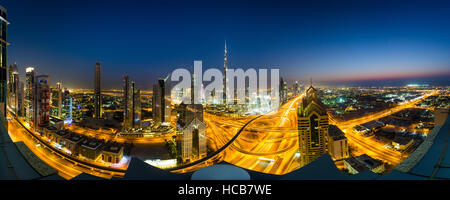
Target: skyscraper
x=13 y=86
x=67 y=106
x=283 y=91
x=20 y=99
x=137 y=109
x=131 y=104
x=3 y=63
x=97 y=92
x=42 y=114
x=191 y=138
x=127 y=103
x=312 y=127
x=225 y=80
x=56 y=101
x=160 y=105
x=30 y=76
x=296 y=88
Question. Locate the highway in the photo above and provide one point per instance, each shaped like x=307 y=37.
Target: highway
x=67 y=166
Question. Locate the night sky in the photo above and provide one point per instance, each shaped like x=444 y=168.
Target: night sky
x=329 y=40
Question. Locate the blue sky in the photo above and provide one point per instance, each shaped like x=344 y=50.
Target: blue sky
x=328 y=40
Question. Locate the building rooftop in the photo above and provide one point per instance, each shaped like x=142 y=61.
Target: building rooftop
x=74 y=137
x=373 y=124
x=401 y=140
x=368 y=161
x=91 y=143
x=355 y=164
x=113 y=148
x=336 y=133
x=62 y=133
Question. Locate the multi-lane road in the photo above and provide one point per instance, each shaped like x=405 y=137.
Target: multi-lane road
x=267 y=143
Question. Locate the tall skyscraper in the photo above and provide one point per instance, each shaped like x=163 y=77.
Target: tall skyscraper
x=20 y=99
x=283 y=91
x=3 y=63
x=131 y=104
x=296 y=89
x=127 y=103
x=42 y=114
x=160 y=105
x=191 y=138
x=30 y=76
x=137 y=109
x=97 y=92
x=67 y=106
x=312 y=127
x=13 y=86
x=225 y=80
x=56 y=101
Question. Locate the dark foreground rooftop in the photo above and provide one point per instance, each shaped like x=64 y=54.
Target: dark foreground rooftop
x=430 y=161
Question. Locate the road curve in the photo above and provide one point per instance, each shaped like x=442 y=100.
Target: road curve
x=216 y=152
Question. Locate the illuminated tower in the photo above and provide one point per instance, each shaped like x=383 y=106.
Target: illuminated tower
x=13 y=85
x=126 y=104
x=29 y=94
x=3 y=64
x=97 y=92
x=42 y=102
x=137 y=109
x=131 y=104
x=312 y=127
x=160 y=105
x=191 y=137
x=225 y=80
x=56 y=101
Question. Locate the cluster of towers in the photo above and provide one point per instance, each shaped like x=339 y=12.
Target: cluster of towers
x=131 y=103
x=30 y=100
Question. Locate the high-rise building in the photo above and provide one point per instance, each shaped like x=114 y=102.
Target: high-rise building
x=160 y=105
x=225 y=80
x=42 y=101
x=131 y=104
x=56 y=101
x=30 y=76
x=312 y=127
x=67 y=106
x=296 y=89
x=283 y=91
x=20 y=99
x=191 y=137
x=127 y=103
x=137 y=109
x=3 y=63
x=13 y=86
x=98 y=111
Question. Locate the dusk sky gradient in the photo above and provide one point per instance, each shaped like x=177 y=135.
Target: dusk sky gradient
x=328 y=40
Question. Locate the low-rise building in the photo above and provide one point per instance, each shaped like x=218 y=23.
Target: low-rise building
x=112 y=153
x=353 y=166
x=363 y=162
x=72 y=142
x=60 y=137
x=374 y=165
x=49 y=132
x=57 y=123
x=90 y=149
x=402 y=143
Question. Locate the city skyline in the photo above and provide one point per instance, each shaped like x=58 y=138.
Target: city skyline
x=101 y=121
x=390 y=42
